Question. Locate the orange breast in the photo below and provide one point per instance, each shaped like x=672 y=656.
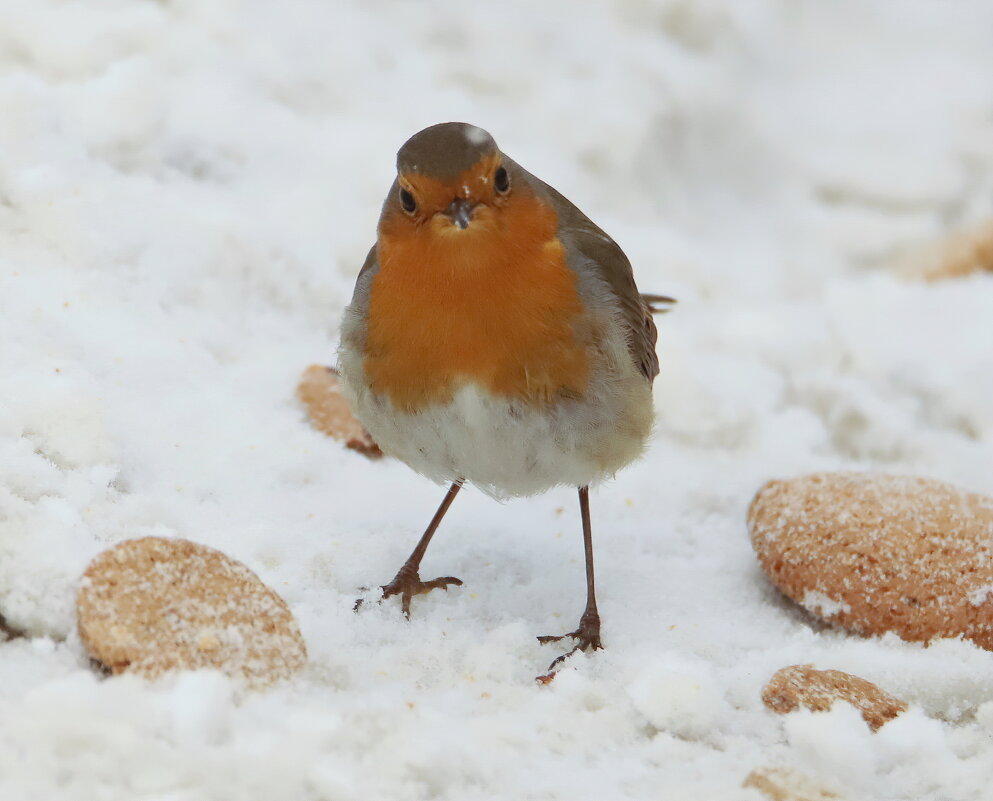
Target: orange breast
x=494 y=304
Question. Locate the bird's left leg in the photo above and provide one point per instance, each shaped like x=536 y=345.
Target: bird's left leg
x=587 y=636
x=407 y=582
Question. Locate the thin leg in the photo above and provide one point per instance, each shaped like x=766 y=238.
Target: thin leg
x=587 y=636
x=590 y=613
x=407 y=582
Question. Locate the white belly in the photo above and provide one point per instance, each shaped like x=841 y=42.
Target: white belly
x=508 y=447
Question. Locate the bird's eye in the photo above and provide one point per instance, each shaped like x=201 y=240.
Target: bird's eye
x=501 y=180
x=407 y=201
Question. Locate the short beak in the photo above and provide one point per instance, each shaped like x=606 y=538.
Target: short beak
x=460 y=212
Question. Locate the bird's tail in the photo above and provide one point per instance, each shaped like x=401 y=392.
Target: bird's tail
x=658 y=304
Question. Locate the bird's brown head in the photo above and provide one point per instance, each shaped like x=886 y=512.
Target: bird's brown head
x=451 y=181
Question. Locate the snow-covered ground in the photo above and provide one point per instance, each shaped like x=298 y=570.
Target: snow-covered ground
x=187 y=189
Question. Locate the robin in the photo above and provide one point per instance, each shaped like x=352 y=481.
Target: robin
x=496 y=336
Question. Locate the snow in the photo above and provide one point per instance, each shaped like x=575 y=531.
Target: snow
x=822 y=604
x=187 y=190
x=476 y=135
x=980 y=595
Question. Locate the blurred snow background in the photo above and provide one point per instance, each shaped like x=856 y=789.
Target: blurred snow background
x=187 y=189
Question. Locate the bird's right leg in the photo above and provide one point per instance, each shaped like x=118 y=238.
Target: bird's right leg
x=587 y=636
x=407 y=582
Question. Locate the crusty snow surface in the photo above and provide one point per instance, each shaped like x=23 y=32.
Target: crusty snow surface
x=187 y=190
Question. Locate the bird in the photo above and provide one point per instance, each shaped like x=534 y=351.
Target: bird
x=496 y=337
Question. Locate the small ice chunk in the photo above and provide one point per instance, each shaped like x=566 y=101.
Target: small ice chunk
x=980 y=595
x=821 y=604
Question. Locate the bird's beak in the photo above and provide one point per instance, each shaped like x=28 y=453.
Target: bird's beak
x=460 y=212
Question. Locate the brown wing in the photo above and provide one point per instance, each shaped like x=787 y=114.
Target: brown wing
x=370 y=264
x=613 y=267
x=354 y=321
x=363 y=282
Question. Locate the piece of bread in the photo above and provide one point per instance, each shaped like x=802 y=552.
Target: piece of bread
x=817 y=690
x=153 y=605
x=963 y=252
x=329 y=412
x=784 y=784
x=875 y=553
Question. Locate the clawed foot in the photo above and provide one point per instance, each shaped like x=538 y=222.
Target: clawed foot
x=587 y=638
x=407 y=584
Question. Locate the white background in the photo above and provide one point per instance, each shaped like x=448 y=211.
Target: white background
x=187 y=190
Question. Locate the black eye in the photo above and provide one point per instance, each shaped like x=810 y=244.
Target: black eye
x=407 y=201
x=501 y=180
